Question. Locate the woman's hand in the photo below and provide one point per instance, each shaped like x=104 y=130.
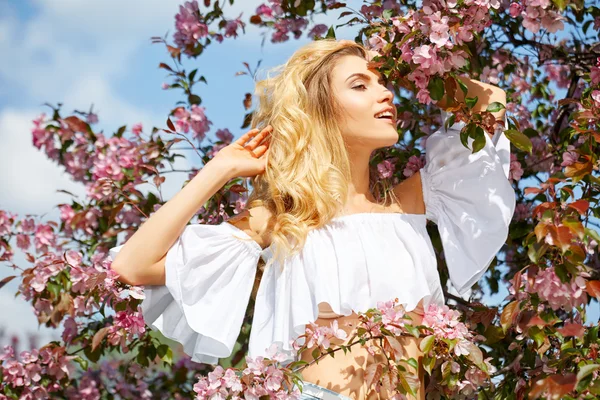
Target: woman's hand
x=486 y=94
x=246 y=159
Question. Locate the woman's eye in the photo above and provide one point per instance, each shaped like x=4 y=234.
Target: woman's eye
x=359 y=86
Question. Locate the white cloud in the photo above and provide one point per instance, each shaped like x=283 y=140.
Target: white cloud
x=29 y=180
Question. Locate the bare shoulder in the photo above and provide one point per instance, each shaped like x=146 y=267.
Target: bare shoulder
x=257 y=222
x=410 y=194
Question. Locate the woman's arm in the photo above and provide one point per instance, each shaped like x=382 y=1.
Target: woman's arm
x=486 y=94
x=141 y=261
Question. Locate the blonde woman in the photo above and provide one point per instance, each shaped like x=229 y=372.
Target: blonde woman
x=331 y=247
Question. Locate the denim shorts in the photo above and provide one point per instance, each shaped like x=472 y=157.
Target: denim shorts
x=311 y=391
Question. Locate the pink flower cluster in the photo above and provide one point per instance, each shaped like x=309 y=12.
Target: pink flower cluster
x=126 y=325
x=189 y=28
x=445 y=323
x=256 y=380
x=320 y=335
x=283 y=26
x=26 y=374
x=414 y=164
x=515 y=171
x=475 y=378
x=536 y=14
x=385 y=169
x=194 y=119
x=392 y=316
x=558 y=294
x=109 y=159
x=433 y=52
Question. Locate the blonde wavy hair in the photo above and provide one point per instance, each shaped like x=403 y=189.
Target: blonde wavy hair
x=307 y=176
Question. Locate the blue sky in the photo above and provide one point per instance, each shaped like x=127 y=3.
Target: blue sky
x=99 y=52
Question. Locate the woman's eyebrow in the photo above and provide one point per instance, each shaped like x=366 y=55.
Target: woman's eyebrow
x=364 y=76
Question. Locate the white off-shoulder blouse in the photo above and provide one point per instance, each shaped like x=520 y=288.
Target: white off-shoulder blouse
x=350 y=264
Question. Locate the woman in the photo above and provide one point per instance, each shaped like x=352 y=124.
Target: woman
x=331 y=248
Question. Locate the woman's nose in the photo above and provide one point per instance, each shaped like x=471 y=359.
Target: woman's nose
x=386 y=95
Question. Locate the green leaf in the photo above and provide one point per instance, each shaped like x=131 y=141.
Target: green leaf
x=162 y=350
x=436 y=88
x=471 y=101
x=428 y=364
x=194 y=99
x=53 y=288
x=82 y=362
x=120 y=131
x=142 y=359
x=462 y=86
x=427 y=343
x=519 y=139
x=479 y=142
x=495 y=106
x=536 y=334
x=192 y=75
x=387 y=14
x=330 y=33
x=587 y=370
x=316 y=353
x=413 y=330
x=413 y=363
x=168 y=358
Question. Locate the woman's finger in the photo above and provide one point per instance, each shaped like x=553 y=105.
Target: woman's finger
x=245 y=137
x=258 y=139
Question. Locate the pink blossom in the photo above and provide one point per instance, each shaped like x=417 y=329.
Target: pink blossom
x=516 y=171
x=255 y=365
x=595 y=75
x=91 y=118
x=420 y=79
x=376 y=43
x=440 y=34
x=232 y=26
x=596 y=97
x=137 y=129
x=423 y=55
x=385 y=169
x=522 y=212
x=515 y=9
x=391 y=316
x=558 y=294
x=44 y=237
x=423 y=96
x=194 y=119
x=414 y=164
x=66 y=213
x=165 y=86
x=188 y=26
x=318 y=30
x=553 y=21
x=264 y=10
x=224 y=135
x=444 y=322
x=23 y=242
x=570 y=156
x=40 y=136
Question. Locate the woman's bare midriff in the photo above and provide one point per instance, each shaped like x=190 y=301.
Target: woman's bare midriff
x=345 y=373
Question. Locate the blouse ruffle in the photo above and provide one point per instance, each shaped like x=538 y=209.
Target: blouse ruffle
x=210 y=273
x=470 y=199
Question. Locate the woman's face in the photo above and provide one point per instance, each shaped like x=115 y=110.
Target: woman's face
x=363 y=97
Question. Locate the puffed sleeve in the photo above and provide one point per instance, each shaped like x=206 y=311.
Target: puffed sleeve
x=470 y=199
x=210 y=273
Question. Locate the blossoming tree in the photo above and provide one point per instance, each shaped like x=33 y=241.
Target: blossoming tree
x=537 y=344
